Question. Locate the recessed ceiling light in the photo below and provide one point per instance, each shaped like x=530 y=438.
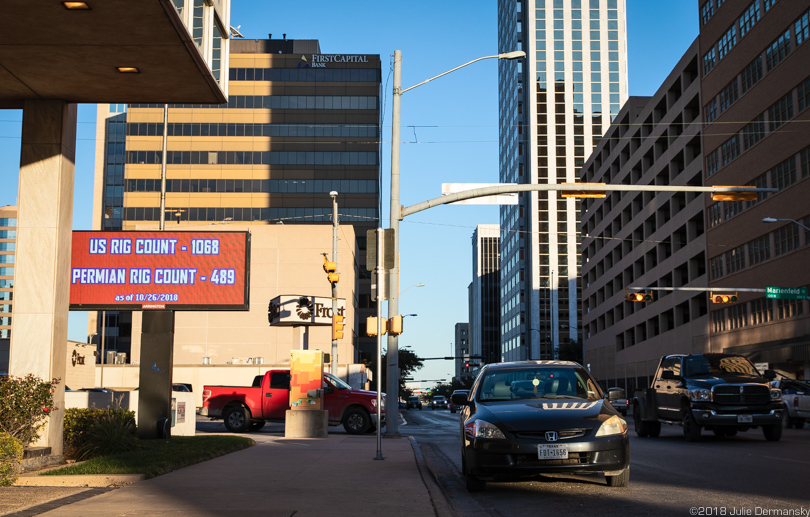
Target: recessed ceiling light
x=128 y=70
x=76 y=5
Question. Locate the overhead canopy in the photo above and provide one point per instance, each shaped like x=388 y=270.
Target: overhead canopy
x=50 y=52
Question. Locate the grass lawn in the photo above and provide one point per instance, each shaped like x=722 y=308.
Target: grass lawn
x=156 y=457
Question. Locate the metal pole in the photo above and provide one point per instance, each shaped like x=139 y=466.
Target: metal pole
x=392 y=367
x=334 y=284
x=379 y=348
x=163 y=168
x=103 y=325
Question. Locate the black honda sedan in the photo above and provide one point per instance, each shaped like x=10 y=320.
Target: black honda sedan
x=529 y=418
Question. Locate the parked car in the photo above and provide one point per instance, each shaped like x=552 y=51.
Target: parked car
x=453 y=406
x=414 y=403
x=618 y=398
x=439 y=402
x=527 y=418
x=796 y=396
x=248 y=408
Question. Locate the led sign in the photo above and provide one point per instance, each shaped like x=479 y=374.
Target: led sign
x=159 y=270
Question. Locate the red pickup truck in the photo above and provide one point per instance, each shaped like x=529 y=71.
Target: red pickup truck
x=248 y=408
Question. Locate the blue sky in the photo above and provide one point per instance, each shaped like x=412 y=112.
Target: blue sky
x=449 y=127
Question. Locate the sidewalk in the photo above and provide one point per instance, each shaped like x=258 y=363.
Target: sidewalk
x=284 y=477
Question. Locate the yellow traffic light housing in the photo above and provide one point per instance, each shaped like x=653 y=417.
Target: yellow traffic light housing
x=395 y=325
x=733 y=196
x=584 y=193
x=337 y=327
x=723 y=297
x=638 y=297
x=371 y=326
x=330 y=267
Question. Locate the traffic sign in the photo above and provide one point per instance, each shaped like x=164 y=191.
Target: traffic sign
x=786 y=293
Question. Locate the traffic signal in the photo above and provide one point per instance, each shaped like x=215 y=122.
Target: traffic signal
x=638 y=297
x=395 y=325
x=723 y=298
x=330 y=268
x=584 y=193
x=733 y=196
x=371 y=326
x=337 y=327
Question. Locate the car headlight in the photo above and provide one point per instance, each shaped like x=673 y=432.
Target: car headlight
x=776 y=395
x=483 y=429
x=700 y=395
x=611 y=426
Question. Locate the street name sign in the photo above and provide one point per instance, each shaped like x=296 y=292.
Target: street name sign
x=786 y=293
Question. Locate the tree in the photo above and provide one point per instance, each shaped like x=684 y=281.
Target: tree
x=409 y=363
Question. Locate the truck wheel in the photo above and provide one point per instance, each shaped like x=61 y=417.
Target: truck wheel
x=356 y=421
x=691 y=429
x=237 y=419
x=619 y=480
x=642 y=427
x=655 y=429
x=773 y=433
x=256 y=425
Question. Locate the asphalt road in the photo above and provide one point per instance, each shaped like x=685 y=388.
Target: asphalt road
x=743 y=475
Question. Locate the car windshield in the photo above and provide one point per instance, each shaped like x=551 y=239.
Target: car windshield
x=537 y=383
x=336 y=382
x=707 y=365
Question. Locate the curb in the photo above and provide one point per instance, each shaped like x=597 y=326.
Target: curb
x=80 y=480
x=437 y=498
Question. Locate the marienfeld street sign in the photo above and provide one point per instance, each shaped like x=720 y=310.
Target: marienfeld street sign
x=786 y=293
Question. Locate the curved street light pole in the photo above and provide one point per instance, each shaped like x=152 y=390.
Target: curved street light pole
x=392 y=366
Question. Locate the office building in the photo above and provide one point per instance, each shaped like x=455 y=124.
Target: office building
x=554 y=107
x=755 y=91
x=8 y=243
x=298 y=125
x=484 y=325
x=461 y=348
x=654 y=242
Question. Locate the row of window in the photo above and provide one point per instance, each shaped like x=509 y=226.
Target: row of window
x=255 y=186
x=750 y=16
x=778 y=242
x=342 y=75
x=8 y=222
x=6 y=271
x=254 y=157
x=767 y=122
x=755 y=312
x=272 y=214
x=8 y=234
x=309 y=102
x=6 y=259
x=269 y=130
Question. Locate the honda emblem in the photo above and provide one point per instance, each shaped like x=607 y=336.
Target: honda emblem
x=551 y=436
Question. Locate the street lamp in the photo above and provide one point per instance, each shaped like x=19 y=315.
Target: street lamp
x=774 y=220
x=392 y=424
x=414 y=285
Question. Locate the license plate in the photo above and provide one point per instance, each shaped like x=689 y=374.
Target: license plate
x=552 y=452
x=745 y=419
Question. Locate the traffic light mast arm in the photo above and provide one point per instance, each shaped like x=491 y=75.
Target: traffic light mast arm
x=570 y=187
x=703 y=289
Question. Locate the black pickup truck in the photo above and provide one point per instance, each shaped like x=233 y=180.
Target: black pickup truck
x=723 y=393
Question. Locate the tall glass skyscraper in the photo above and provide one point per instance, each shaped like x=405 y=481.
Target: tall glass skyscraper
x=554 y=107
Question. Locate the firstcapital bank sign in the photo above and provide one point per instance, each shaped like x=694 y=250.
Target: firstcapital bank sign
x=320 y=60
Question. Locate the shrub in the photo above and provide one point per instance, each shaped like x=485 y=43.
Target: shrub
x=11 y=454
x=91 y=432
x=25 y=403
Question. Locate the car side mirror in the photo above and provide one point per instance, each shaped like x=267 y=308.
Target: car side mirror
x=770 y=374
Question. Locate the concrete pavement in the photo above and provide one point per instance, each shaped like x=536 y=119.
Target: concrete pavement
x=281 y=477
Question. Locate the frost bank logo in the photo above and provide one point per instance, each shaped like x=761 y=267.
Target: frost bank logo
x=304 y=309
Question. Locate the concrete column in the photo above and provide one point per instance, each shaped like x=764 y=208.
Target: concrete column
x=155 y=375
x=42 y=270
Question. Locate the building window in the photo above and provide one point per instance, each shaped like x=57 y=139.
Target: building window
x=735 y=260
x=727 y=42
x=786 y=239
x=728 y=95
x=737 y=316
x=801 y=28
x=712 y=162
x=804 y=159
x=780 y=112
x=709 y=60
x=761 y=311
x=711 y=111
x=784 y=174
x=759 y=250
x=730 y=150
x=768 y=4
x=707 y=11
x=715 y=216
x=804 y=94
x=749 y=18
x=197 y=22
x=777 y=51
x=754 y=132
x=731 y=208
x=716 y=267
x=751 y=74
x=719 y=320
x=789 y=308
